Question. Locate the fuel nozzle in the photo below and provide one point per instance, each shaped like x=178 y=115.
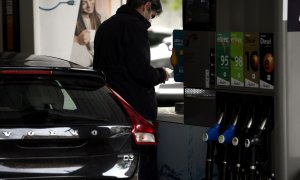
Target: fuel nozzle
x=211 y=137
x=239 y=153
x=244 y=132
x=228 y=134
x=252 y=143
x=257 y=138
x=213 y=133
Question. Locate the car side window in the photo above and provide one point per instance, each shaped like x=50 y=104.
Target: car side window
x=156 y=38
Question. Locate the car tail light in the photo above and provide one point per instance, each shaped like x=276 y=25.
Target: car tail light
x=25 y=72
x=143 y=131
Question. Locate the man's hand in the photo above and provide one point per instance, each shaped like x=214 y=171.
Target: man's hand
x=168 y=73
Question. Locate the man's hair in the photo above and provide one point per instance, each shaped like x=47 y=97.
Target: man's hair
x=155 y=4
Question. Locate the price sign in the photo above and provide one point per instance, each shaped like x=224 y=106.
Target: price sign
x=251 y=60
x=222 y=59
x=267 y=61
x=236 y=59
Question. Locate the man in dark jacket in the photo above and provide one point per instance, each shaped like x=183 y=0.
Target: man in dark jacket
x=122 y=52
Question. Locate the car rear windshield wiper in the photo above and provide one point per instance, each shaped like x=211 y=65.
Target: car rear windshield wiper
x=58 y=116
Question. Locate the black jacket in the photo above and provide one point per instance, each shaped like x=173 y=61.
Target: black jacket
x=122 y=52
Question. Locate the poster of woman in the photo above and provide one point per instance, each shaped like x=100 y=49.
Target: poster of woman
x=90 y=15
x=66 y=29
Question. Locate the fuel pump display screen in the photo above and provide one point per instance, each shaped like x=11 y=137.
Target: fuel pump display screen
x=199 y=14
x=198 y=11
x=293 y=15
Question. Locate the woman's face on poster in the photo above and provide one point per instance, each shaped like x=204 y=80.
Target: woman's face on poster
x=87 y=6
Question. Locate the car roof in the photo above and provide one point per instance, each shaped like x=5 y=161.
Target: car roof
x=15 y=59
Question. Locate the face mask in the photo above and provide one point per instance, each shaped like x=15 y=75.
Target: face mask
x=147 y=14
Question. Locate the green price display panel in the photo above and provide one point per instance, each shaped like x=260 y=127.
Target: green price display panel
x=236 y=59
x=222 y=59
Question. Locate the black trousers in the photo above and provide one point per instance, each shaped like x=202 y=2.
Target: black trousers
x=148 y=164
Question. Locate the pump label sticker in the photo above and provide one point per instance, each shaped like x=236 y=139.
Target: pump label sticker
x=177 y=59
x=222 y=59
x=236 y=59
x=266 y=61
x=251 y=60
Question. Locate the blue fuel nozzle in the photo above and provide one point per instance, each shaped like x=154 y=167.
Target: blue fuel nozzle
x=228 y=134
x=213 y=133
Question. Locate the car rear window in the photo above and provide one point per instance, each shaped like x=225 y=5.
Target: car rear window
x=50 y=99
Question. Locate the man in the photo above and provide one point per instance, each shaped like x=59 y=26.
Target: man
x=122 y=52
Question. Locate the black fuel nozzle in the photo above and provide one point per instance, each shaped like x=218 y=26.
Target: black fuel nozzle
x=237 y=142
x=211 y=137
x=243 y=134
x=253 y=143
x=256 y=138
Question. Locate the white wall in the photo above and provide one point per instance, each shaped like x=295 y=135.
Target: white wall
x=114 y=6
x=54 y=30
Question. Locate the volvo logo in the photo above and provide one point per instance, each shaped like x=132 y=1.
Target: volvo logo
x=94 y=132
x=30 y=133
x=52 y=133
x=7 y=133
x=73 y=132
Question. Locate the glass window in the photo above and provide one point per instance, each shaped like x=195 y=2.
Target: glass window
x=57 y=100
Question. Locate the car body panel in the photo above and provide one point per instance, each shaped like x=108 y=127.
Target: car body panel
x=68 y=151
x=14 y=59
